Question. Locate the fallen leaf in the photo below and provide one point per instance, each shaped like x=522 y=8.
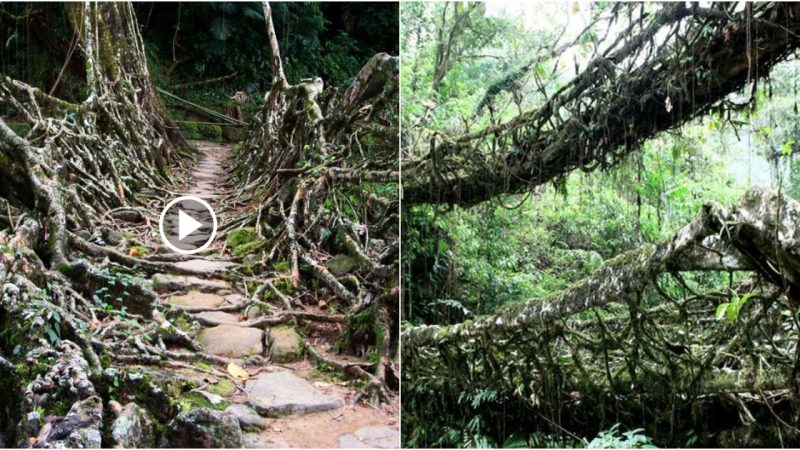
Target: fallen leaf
x=237 y=372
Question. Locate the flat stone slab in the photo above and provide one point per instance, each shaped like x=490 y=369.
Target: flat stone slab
x=163 y=282
x=282 y=393
x=371 y=437
x=254 y=440
x=235 y=299
x=203 y=266
x=216 y=318
x=196 y=299
x=232 y=341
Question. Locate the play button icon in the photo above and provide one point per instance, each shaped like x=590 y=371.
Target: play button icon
x=187 y=225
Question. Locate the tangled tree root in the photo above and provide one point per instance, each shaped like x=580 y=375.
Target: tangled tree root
x=322 y=169
x=604 y=351
x=74 y=313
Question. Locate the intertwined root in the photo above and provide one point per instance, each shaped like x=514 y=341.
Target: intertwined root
x=625 y=334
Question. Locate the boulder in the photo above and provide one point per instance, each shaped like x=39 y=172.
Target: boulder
x=80 y=428
x=132 y=428
x=285 y=344
x=203 y=428
x=341 y=264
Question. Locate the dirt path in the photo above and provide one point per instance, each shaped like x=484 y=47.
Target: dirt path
x=286 y=401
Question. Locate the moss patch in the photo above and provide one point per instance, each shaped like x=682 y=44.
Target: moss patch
x=224 y=388
x=241 y=236
x=249 y=248
x=193 y=400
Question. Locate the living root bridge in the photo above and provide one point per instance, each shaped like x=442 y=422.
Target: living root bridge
x=635 y=88
x=668 y=364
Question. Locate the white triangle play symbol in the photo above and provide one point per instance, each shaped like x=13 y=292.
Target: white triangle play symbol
x=186 y=225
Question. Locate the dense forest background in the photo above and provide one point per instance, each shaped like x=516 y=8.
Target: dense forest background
x=471 y=65
x=205 y=52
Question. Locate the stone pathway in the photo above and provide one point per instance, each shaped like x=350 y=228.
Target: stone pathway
x=276 y=391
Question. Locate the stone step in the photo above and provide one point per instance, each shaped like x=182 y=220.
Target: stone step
x=196 y=299
x=283 y=393
x=204 y=266
x=285 y=344
x=232 y=341
x=216 y=318
x=164 y=282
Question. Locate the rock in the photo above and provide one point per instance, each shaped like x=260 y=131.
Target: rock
x=80 y=428
x=232 y=341
x=203 y=428
x=212 y=318
x=341 y=264
x=203 y=266
x=29 y=426
x=132 y=428
x=84 y=438
x=151 y=387
x=196 y=299
x=11 y=290
x=248 y=418
x=233 y=299
x=255 y=360
x=252 y=312
x=379 y=437
x=285 y=345
x=281 y=393
x=111 y=237
x=255 y=440
x=163 y=282
x=350 y=441
x=129 y=215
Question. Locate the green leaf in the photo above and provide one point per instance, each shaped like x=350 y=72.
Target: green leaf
x=52 y=335
x=732 y=312
x=787 y=148
x=721 y=309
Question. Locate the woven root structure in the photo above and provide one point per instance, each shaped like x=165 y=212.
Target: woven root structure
x=636 y=86
x=622 y=347
x=319 y=178
x=74 y=313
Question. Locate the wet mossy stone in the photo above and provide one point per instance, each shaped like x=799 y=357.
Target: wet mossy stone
x=285 y=344
x=132 y=428
x=341 y=264
x=203 y=428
